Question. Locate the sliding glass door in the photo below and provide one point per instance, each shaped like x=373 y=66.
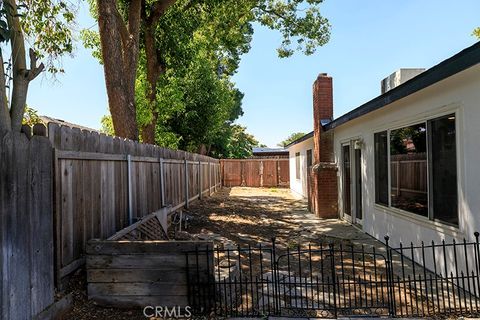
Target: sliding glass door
x=352 y=182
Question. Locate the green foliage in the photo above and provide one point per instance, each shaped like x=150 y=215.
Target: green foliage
x=107 y=125
x=476 y=32
x=91 y=40
x=199 y=46
x=300 y=22
x=47 y=26
x=208 y=103
x=415 y=134
x=291 y=138
x=31 y=117
x=234 y=142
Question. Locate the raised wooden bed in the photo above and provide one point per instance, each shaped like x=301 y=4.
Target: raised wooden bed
x=125 y=272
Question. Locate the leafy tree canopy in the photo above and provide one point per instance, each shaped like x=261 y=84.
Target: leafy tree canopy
x=234 y=142
x=291 y=138
x=188 y=50
x=476 y=32
x=44 y=29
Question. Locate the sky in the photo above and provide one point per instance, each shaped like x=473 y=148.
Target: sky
x=370 y=39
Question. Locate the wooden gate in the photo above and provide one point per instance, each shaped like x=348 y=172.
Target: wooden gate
x=255 y=172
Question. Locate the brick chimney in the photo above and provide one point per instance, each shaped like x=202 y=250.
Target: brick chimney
x=322 y=111
x=323 y=193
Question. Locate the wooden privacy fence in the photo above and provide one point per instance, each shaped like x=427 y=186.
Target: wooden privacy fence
x=407 y=171
x=104 y=183
x=267 y=172
x=26 y=232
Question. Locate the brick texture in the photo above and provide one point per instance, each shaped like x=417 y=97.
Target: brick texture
x=322 y=110
x=323 y=190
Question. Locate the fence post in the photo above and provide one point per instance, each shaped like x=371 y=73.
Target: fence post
x=334 y=279
x=477 y=259
x=200 y=184
x=186 y=184
x=222 y=170
x=209 y=178
x=215 y=172
x=275 y=279
x=389 y=267
x=129 y=188
x=162 y=184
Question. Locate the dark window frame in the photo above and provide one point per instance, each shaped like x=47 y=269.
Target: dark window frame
x=381 y=199
x=430 y=169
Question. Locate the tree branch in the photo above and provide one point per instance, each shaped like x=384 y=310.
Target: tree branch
x=34 y=70
x=134 y=15
x=5 y=122
x=122 y=27
x=272 y=12
x=159 y=9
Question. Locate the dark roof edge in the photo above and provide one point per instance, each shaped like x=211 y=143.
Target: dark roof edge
x=453 y=65
x=305 y=137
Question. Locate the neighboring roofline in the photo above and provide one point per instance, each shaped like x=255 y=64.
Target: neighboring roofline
x=447 y=68
x=269 y=150
x=305 y=137
x=46 y=120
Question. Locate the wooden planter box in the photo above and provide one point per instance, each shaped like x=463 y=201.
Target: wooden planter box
x=147 y=272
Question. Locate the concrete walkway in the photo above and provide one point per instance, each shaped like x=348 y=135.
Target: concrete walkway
x=333 y=228
x=345 y=231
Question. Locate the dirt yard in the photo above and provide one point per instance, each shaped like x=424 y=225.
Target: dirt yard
x=253 y=216
x=244 y=216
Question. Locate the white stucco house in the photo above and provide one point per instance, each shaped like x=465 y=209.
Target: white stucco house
x=300 y=153
x=406 y=163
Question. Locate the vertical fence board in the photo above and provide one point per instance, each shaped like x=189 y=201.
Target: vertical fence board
x=41 y=221
x=268 y=172
x=19 y=261
x=77 y=207
x=67 y=211
x=26 y=231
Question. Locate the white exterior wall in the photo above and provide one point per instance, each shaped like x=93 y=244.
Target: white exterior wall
x=460 y=94
x=299 y=186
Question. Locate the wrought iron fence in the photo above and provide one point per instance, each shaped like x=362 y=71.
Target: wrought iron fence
x=329 y=280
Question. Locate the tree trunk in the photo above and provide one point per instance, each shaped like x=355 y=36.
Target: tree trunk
x=154 y=66
x=21 y=75
x=20 y=83
x=5 y=122
x=154 y=70
x=120 y=58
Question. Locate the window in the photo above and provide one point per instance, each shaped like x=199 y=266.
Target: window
x=423 y=169
x=297 y=165
x=309 y=158
x=444 y=169
x=408 y=169
x=347 y=201
x=381 y=168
